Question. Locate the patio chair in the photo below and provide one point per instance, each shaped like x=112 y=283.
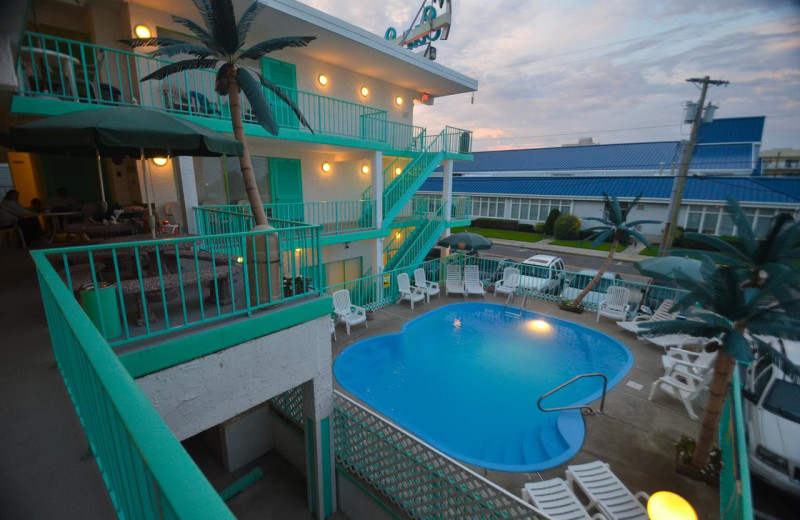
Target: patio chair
x=430 y=288
x=606 y=492
x=661 y=314
x=669 y=341
x=556 y=499
x=409 y=292
x=453 y=283
x=683 y=385
x=347 y=312
x=616 y=303
x=688 y=360
x=472 y=281
x=509 y=283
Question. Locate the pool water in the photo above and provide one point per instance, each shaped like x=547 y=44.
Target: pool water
x=466 y=377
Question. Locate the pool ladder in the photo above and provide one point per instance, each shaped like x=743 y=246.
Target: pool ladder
x=583 y=408
x=509 y=301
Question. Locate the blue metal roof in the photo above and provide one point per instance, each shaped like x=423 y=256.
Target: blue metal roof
x=743 y=189
x=723 y=157
x=732 y=130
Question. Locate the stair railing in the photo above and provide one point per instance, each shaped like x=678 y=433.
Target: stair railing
x=583 y=408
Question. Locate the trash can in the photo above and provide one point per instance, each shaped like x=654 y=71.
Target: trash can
x=105 y=293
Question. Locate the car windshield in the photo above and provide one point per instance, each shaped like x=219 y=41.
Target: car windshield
x=784 y=400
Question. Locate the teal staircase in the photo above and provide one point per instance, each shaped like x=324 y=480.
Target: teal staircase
x=416 y=246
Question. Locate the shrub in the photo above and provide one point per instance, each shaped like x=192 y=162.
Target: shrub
x=495 y=223
x=526 y=227
x=567 y=227
x=549 y=224
x=538 y=227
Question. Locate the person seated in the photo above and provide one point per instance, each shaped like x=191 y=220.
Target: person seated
x=12 y=214
x=62 y=202
x=35 y=205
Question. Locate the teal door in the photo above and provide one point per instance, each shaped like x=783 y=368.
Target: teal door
x=286 y=183
x=284 y=75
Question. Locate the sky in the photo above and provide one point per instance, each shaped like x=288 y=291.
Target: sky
x=550 y=72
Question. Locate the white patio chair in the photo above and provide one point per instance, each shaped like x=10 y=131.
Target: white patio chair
x=616 y=303
x=453 y=283
x=409 y=292
x=606 y=492
x=346 y=312
x=683 y=385
x=661 y=314
x=556 y=499
x=669 y=341
x=472 y=281
x=691 y=361
x=430 y=288
x=510 y=282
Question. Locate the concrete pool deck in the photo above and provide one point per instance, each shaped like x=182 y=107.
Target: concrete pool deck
x=634 y=436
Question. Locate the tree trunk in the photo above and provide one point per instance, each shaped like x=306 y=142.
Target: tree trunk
x=235 y=100
x=723 y=368
x=600 y=272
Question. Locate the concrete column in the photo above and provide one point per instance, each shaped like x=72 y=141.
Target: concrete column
x=377 y=187
x=320 y=463
x=184 y=169
x=447 y=191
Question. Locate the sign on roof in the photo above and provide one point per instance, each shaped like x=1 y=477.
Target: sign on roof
x=433 y=26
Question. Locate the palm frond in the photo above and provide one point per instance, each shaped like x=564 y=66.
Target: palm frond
x=201 y=33
x=772 y=247
x=247 y=19
x=180 y=66
x=640 y=222
x=275 y=89
x=778 y=358
x=601 y=237
x=615 y=213
x=223 y=26
x=205 y=10
x=632 y=205
x=736 y=345
x=722 y=246
x=717 y=257
x=638 y=236
x=260 y=49
x=600 y=219
x=744 y=229
x=151 y=42
x=186 y=48
x=258 y=103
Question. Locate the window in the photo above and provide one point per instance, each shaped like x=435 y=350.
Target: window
x=792 y=163
x=492 y=207
x=714 y=220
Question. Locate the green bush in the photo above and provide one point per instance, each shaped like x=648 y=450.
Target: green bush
x=526 y=227
x=549 y=224
x=495 y=223
x=538 y=227
x=567 y=227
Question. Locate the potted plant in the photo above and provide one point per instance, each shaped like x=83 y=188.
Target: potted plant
x=569 y=306
x=684 y=451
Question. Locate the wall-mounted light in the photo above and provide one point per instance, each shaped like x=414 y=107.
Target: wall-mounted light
x=326 y=167
x=398 y=100
x=141 y=31
x=397 y=235
x=398 y=170
x=160 y=161
x=365 y=169
x=364 y=91
x=323 y=79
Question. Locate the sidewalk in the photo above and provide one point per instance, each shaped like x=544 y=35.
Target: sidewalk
x=630 y=254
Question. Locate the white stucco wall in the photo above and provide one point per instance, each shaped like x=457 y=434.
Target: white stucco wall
x=204 y=392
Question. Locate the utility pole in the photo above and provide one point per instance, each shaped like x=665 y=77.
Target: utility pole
x=683 y=168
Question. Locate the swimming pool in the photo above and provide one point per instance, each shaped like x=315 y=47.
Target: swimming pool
x=466 y=377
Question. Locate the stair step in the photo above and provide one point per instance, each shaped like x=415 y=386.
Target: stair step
x=532 y=448
x=552 y=440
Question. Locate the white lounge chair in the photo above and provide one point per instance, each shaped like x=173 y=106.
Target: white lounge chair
x=472 y=281
x=669 y=341
x=693 y=362
x=616 y=303
x=409 y=292
x=661 y=314
x=510 y=282
x=430 y=288
x=346 y=312
x=453 y=283
x=606 y=493
x=683 y=385
x=556 y=499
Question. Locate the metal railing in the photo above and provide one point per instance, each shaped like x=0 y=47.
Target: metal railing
x=155 y=287
x=146 y=470
x=735 y=493
x=457 y=140
x=395 y=192
x=586 y=408
x=402 y=136
x=418 y=242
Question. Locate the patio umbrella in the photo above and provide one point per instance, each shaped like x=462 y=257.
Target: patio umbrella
x=466 y=241
x=119 y=132
x=671 y=268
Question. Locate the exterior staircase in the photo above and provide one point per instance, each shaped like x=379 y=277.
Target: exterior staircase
x=419 y=241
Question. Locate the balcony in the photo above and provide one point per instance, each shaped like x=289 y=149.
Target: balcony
x=57 y=75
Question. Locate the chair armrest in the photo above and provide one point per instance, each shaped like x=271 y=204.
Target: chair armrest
x=682 y=354
x=357 y=309
x=674 y=371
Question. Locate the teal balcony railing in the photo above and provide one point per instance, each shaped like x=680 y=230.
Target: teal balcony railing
x=155 y=287
x=401 y=136
x=735 y=493
x=424 y=206
x=457 y=140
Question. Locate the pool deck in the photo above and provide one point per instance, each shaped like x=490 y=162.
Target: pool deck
x=634 y=436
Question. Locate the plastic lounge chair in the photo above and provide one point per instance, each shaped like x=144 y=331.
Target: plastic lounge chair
x=556 y=499
x=683 y=385
x=453 y=283
x=472 y=281
x=669 y=341
x=693 y=362
x=606 y=493
x=430 y=288
x=616 y=304
x=661 y=314
x=510 y=282
x=409 y=292
x=346 y=312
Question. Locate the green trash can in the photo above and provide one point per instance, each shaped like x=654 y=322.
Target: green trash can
x=105 y=293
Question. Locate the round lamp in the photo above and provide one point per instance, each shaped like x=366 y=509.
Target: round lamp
x=398 y=170
x=326 y=167
x=364 y=91
x=398 y=101
x=323 y=79
x=141 y=31
x=665 y=505
x=160 y=161
x=365 y=169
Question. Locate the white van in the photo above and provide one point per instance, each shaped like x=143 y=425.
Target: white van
x=772 y=415
x=542 y=273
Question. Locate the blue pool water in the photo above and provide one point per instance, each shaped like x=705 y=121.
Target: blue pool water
x=465 y=378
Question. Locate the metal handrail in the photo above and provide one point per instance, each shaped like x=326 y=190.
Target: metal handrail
x=588 y=409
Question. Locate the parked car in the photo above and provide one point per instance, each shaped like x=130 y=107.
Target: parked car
x=582 y=279
x=772 y=418
x=542 y=273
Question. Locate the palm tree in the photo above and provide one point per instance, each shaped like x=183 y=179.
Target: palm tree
x=220 y=41
x=620 y=231
x=752 y=292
